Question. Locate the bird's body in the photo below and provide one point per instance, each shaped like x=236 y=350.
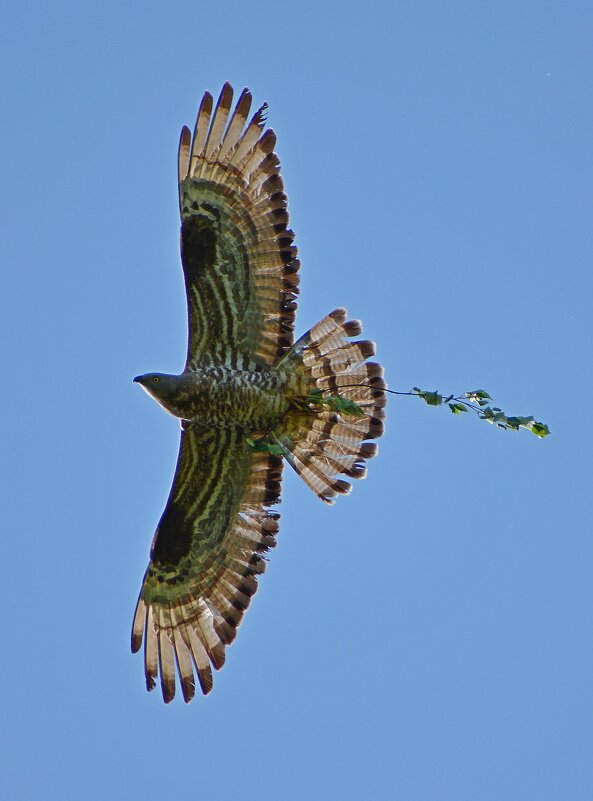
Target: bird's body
x=256 y=399
x=249 y=398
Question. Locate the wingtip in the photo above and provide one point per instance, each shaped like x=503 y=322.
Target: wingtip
x=168 y=689
x=188 y=689
x=185 y=133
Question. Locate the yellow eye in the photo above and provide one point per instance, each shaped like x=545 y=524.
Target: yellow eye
x=156 y=379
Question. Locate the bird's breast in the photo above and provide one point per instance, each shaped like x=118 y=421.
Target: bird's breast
x=221 y=396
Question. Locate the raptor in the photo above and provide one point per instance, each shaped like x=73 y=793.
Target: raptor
x=249 y=398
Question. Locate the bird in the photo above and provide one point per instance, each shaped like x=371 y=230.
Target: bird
x=250 y=398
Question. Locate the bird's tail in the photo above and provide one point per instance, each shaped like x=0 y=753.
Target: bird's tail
x=341 y=406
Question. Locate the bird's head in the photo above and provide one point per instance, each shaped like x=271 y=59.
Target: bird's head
x=161 y=386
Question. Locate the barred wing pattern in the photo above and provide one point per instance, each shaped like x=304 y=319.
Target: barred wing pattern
x=239 y=262
x=206 y=556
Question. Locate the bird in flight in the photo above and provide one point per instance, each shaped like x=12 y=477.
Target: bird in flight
x=248 y=398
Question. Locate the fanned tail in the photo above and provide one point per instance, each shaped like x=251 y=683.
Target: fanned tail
x=326 y=439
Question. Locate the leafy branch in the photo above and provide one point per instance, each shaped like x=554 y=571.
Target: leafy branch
x=478 y=401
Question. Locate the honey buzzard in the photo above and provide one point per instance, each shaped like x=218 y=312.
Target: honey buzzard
x=248 y=398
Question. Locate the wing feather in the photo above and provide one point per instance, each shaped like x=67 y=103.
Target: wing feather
x=183 y=655
x=236 y=125
x=200 y=133
x=166 y=654
x=183 y=154
x=248 y=140
x=151 y=651
x=219 y=120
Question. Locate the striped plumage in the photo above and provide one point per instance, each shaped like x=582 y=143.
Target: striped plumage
x=233 y=209
x=244 y=382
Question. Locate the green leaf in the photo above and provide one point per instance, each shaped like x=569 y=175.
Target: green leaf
x=457 y=408
x=520 y=422
x=431 y=398
x=540 y=430
x=345 y=406
x=257 y=445
x=315 y=396
x=479 y=396
x=262 y=445
x=335 y=402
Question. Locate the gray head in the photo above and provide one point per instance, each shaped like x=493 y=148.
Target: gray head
x=164 y=388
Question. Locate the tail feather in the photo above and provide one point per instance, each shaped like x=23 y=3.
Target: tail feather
x=319 y=442
x=311 y=464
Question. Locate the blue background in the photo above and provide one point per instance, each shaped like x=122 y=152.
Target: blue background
x=427 y=639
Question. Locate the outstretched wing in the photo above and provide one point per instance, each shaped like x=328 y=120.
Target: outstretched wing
x=239 y=262
x=205 y=557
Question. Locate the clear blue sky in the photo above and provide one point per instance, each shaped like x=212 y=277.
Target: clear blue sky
x=428 y=638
